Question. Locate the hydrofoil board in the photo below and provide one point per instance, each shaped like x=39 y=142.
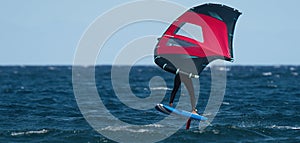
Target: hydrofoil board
x=168 y=110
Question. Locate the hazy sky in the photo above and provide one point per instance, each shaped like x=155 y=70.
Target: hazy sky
x=43 y=32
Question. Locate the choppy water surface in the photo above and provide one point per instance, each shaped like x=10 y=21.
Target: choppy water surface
x=261 y=104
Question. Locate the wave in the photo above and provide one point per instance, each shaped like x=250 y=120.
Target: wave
x=295 y=74
x=155 y=125
x=284 y=127
x=133 y=129
x=225 y=103
x=267 y=73
x=160 y=88
x=43 y=131
x=124 y=128
x=292 y=69
x=223 y=69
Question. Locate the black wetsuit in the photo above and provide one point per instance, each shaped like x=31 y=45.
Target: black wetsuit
x=189 y=85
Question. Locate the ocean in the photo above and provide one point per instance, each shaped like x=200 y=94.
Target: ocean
x=38 y=104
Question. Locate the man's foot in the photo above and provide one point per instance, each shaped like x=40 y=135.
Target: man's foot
x=170 y=104
x=195 y=112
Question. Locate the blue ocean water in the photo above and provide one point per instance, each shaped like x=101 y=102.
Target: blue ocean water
x=261 y=104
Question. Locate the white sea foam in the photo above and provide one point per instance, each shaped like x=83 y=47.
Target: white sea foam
x=51 y=68
x=267 y=73
x=292 y=69
x=160 y=88
x=226 y=103
x=124 y=128
x=295 y=74
x=284 y=127
x=221 y=68
x=133 y=129
x=43 y=131
x=155 y=125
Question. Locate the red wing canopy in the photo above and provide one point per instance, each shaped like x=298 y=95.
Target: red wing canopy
x=203 y=33
x=226 y=14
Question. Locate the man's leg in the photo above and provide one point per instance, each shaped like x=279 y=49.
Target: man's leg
x=177 y=83
x=189 y=85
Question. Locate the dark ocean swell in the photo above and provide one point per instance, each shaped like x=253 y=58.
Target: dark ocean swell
x=261 y=104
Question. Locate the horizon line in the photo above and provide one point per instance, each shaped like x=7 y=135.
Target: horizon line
x=24 y=65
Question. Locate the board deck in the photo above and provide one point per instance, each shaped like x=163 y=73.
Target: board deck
x=168 y=110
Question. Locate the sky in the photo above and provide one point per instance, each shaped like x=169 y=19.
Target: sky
x=47 y=32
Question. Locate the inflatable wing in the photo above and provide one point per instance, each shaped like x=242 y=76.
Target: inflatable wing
x=199 y=36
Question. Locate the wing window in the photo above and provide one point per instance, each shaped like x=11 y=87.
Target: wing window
x=191 y=31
